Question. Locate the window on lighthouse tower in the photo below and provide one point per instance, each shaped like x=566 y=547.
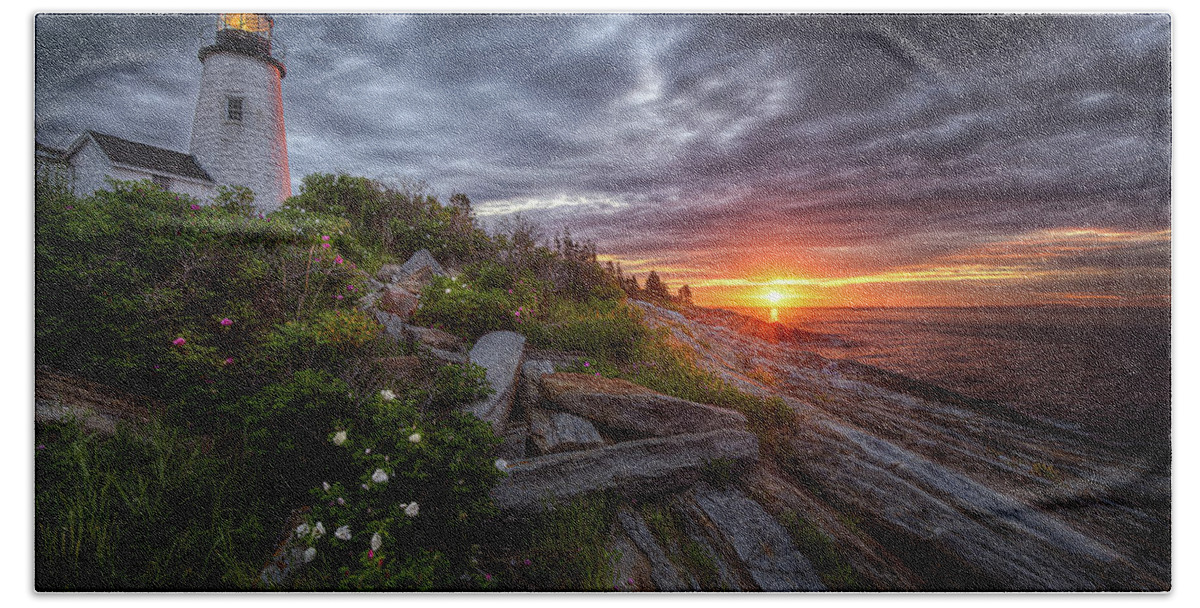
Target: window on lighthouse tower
x=233 y=108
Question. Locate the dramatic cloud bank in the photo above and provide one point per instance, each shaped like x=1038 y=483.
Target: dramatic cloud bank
x=725 y=151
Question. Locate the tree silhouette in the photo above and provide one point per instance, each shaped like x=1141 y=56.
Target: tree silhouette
x=655 y=287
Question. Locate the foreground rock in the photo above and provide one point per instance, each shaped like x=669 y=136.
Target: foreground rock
x=645 y=467
x=920 y=488
x=414 y=274
x=444 y=345
x=554 y=432
x=624 y=405
x=760 y=544
x=501 y=354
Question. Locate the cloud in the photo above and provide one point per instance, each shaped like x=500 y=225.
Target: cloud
x=836 y=143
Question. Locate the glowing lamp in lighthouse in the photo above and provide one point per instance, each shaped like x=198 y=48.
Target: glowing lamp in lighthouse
x=238 y=133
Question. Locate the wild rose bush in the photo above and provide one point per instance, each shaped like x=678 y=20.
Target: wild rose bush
x=485 y=297
x=410 y=509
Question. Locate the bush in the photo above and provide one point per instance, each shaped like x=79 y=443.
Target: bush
x=411 y=508
x=484 y=298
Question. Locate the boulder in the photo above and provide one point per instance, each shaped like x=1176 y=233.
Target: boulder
x=762 y=545
x=399 y=302
x=554 y=432
x=395 y=326
x=625 y=405
x=418 y=270
x=528 y=393
x=645 y=467
x=500 y=353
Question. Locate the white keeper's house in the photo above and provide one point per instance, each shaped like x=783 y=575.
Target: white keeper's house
x=238 y=136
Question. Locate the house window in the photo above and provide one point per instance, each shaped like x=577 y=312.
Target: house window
x=161 y=181
x=233 y=108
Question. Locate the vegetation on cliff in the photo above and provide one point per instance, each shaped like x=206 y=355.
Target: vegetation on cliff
x=243 y=331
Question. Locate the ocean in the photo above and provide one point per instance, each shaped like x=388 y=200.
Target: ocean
x=1107 y=370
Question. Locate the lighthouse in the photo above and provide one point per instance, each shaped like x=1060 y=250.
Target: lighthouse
x=237 y=133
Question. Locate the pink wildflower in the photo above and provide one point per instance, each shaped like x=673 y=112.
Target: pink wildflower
x=339 y=296
x=226 y=321
x=69 y=207
x=370 y=553
x=586 y=364
x=518 y=313
x=228 y=360
x=326 y=245
x=338 y=260
x=325 y=237
x=178 y=341
x=487 y=577
x=195 y=207
x=510 y=291
x=349 y=288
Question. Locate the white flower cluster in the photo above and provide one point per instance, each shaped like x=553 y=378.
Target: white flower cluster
x=379 y=476
x=387 y=395
x=342 y=533
x=339 y=438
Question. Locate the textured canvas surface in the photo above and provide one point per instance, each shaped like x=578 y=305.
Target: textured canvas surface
x=742 y=302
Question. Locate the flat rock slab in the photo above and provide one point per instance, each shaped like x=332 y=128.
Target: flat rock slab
x=554 y=432
x=645 y=467
x=500 y=353
x=395 y=326
x=762 y=545
x=663 y=573
x=625 y=405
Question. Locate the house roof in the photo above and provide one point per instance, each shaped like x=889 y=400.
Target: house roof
x=151 y=158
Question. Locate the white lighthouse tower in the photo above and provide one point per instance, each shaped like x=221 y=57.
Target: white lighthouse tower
x=237 y=133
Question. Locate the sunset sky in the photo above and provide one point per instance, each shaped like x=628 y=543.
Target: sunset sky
x=835 y=160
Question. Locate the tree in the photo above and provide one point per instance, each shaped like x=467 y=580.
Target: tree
x=655 y=287
x=685 y=295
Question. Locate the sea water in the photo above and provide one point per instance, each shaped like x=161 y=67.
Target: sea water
x=1105 y=369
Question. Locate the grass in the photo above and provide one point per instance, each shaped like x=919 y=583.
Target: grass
x=820 y=549
x=566 y=548
x=140 y=512
x=689 y=555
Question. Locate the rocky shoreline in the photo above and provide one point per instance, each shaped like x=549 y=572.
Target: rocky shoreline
x=880 y=483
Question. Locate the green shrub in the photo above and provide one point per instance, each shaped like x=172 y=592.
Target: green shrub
x=417 y=485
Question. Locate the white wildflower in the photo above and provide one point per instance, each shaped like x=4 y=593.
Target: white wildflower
x=376 y=542
x=341 y=501
x=501 y=464
x=379 y=476
x=339 y=438
x=387 y=395
x=412 y=509
x=325 y=486
x=447 y=290
x=301 y=530
x=343 y=533
x=310 y=554
x=414 y=438
x=318 y=530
